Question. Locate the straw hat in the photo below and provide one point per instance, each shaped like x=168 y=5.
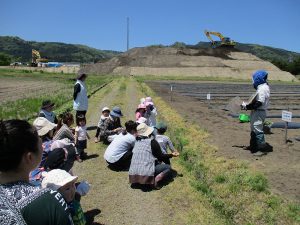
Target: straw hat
x=43 y=126
x=144 y=130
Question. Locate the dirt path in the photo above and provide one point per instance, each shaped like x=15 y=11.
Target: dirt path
x=111 y=193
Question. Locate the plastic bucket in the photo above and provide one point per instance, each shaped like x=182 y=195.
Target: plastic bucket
x=244 y=118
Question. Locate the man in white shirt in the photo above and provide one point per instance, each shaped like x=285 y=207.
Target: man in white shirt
x=118 y=154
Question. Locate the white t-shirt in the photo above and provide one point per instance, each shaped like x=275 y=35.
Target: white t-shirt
x=263 y=95
x=81 y=131
x=118 y=147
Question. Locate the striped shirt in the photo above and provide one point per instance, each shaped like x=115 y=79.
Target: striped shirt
x=164 y=141
x=64 y=132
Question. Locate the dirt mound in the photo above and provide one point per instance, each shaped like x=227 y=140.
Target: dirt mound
x=220 y=62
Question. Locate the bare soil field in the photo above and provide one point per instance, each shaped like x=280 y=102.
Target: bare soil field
x=281 y=166
x=13 y=89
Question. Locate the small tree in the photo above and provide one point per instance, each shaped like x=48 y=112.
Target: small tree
x=4 y=59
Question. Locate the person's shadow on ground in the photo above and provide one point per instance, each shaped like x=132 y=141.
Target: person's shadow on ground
x=90 y=216
x=92 y=156
x=148 y=188
x=91 y=128
x=117 y=169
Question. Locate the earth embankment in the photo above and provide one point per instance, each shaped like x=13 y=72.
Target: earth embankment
x=166 y=61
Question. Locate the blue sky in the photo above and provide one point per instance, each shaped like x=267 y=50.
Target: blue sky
x=102 y=24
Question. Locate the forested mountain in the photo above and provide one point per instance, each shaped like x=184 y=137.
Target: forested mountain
x=20 y=50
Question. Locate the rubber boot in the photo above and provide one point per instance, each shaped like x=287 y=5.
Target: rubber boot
x=260 y=145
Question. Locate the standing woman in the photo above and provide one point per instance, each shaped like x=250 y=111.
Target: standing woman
x=146 y=167
x=80 y=103
x=20 y=152
x=258 y=115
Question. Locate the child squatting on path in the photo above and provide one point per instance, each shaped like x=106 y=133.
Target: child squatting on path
x=104 y=116
x=61 y=181
x=163 y=140
x=81 y=136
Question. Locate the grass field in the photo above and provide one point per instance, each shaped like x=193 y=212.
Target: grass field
x=212 y=190
x=22 y=92
x=237 y=194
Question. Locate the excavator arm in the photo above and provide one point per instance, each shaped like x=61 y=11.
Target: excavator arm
x=36 y=58
x=35 y=54
x=224 y=41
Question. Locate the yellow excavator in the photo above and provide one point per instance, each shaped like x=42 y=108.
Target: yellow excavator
x=224 y=41
x=36 y=58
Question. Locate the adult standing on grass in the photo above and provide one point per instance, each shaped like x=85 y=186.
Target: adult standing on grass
x=258 y=108
x=46 y=111
x=80 y=103
x=20 y=152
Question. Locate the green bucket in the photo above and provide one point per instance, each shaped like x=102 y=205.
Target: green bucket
x=244 y=118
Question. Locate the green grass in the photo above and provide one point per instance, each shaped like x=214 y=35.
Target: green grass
x=28 y=107
x=237 y=194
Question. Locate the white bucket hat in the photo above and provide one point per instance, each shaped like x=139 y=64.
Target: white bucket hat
x=144 y=130
x=105 y=109
x=57 y=178
x=141 y=120
x=43 y=126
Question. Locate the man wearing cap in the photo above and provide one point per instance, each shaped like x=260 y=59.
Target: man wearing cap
x=80 y=103
x=112 y=126
x=258 y=108
x=46 y=111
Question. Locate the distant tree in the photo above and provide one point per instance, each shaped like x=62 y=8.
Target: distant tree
x=5 y=59
x=294 y=66
x=178 y=45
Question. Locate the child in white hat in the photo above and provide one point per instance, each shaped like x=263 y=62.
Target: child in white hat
x=104 y=116
x=63 y=182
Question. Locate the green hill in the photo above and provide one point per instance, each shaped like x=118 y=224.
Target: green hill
x=20 y=50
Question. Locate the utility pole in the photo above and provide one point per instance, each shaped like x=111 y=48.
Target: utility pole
x=127 y=33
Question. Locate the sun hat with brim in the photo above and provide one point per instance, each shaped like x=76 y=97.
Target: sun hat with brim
x=141 y=120
x=148 y=99
x=116 y=111
x=149 y=103
x=47 y=103
x=144 y=130
x=57 y=178
x=81 y=75
x=105 y=109
x=43 y=126
x=141 y=106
